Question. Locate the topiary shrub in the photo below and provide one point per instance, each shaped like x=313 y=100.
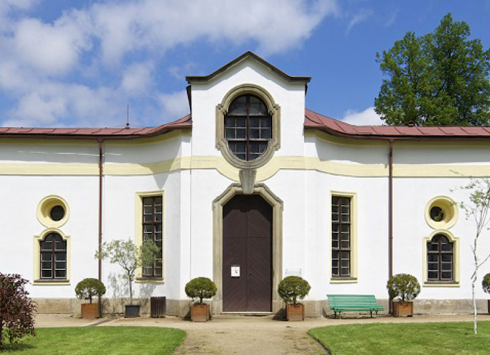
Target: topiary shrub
x=293 y=288
x=16 y=309
x=88 y=288
x=486 y=283
x=403 y=286
x=200 y=287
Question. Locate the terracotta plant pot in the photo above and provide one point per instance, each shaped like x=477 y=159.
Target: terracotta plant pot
x=90 y=310
x=403 y=309
x=295 y=312
x=132 y=311
x=200 y=312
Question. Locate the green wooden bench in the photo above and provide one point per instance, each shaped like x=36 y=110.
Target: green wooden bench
x=353 y=303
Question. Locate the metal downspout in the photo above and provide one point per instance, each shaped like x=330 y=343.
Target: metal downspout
x=101 y=142
x=390 y=220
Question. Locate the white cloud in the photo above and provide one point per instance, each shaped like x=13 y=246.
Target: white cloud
x=367 y=117
x=104 y=41
x=358 y=17
x=158 y=25
x=175 y=104
x=137 y=78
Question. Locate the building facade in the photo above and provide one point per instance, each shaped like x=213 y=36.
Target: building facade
x=247 y=189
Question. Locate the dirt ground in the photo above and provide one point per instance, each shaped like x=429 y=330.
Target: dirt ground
x=245 y=334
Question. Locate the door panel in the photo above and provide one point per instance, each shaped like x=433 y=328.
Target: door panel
x=247 y=243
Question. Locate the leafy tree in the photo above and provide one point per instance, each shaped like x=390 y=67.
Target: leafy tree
x=201 y=287
x=16 y=309
x=292 y=288
x=129 y=257
x=437 y=79
x=477 y=209
x=404 y=286
x=88 y=288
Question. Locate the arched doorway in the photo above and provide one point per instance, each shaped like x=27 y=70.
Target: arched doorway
x=247 y=254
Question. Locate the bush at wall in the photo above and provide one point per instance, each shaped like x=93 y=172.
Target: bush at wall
x=200 y=287
x=486 y=283
x=293 y=288
x=16 y=309
x=403 y=286
x=88 y=288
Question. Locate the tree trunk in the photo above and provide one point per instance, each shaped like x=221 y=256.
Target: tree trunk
x=130 y=291
x=1 y=332
x=473 y=281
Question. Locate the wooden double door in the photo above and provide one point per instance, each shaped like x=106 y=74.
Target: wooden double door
x=247 y=255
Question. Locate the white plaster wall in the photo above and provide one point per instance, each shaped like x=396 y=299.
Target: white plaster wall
x=119 y=223
x=54 y=151
x=290 y=97
x=410 y=228
x=19 y=224
x=126 y=152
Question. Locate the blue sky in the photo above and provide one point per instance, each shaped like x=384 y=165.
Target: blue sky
x=79 y=63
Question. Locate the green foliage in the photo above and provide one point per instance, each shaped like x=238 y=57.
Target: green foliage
x=16 y=309
x=486 y=283
x=88 y=288
x=293 y=288
x=403 y=286
x=437 y=79
x=200 y=287
x=129 y=257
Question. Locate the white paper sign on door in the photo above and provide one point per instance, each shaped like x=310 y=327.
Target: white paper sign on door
x=235 y=271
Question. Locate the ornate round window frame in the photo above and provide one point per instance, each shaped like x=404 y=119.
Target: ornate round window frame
x=449 y=210
x=222 y=110
x=44 y=211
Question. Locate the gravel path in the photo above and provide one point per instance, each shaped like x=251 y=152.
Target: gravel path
x=247 y=334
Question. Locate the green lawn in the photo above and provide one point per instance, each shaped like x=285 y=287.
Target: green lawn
x=100 y=340
x=414 y=338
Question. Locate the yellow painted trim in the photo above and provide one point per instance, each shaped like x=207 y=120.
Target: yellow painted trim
x=340 y=281
x=450 y=208
x=354 y=237
x=44 y=208
x=37 y=258
x=138 y=231
x=263 y=173
x=456 y=260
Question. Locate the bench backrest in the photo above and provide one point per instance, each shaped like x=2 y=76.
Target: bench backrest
x=352 y=300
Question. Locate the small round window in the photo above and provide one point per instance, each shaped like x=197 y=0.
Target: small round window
x=57 y=213
x=248 y=127
x=441 y=212
x=53 y=211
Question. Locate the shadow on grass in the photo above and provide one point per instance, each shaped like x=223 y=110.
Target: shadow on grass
x=17 y=347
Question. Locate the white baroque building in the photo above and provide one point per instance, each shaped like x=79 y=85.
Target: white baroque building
x=249 y=182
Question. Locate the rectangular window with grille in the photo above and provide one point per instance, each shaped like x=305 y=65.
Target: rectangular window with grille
x=152 y=230
x=341 y=236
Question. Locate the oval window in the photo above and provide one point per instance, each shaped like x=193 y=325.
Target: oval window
x=57 y=213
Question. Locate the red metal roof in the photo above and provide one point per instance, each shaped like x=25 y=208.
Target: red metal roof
x=339 y=128
x=105 y=133
x=313 y=120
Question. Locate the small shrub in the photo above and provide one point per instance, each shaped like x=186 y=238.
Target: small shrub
x=293 y=288
x=88 y=288
x=16 y=309
x=403 y=286
x=486 y=283
x=200 y=287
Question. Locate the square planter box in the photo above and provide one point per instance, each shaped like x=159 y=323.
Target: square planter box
x=200 y=312
x=295 y=312
x=403 y=309
x=90 y=310
x=132 y=311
